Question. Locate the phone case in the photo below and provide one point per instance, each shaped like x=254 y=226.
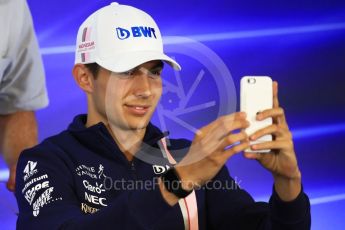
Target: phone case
x=256 y=96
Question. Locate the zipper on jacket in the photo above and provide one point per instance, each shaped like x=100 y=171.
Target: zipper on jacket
x=133 y=170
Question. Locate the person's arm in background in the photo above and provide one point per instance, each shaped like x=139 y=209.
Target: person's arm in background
x=22 y=83
x=18 y=131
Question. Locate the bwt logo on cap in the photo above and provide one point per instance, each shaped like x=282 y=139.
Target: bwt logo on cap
x=135 y=31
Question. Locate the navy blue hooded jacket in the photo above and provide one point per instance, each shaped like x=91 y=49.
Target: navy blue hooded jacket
x=79 y=179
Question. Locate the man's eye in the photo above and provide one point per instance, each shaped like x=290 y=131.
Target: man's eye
x=155 y=73
x=127 y=74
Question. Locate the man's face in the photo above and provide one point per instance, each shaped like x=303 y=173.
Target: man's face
x=128 y=100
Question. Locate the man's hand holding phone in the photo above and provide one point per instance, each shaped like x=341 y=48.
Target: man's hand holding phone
x=212 y=146
x=218 y=141
x=281 y=160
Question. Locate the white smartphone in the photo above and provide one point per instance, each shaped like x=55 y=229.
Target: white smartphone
x=256 y=96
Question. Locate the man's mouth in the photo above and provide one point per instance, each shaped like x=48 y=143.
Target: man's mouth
x=138 y=109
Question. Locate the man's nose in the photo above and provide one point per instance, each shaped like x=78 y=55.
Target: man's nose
x=142 y=86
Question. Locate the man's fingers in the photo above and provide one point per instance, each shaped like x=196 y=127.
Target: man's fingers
x=274 y=129
x=280 y=119
x=236 y=149
x=253 y=155
x=234 y=138
x=276 y=113
x=226 y=123
x=277 y=144
x=275 y=94
x=224 y=126
x=226 y=129
x=227 y=120
x=220 y=137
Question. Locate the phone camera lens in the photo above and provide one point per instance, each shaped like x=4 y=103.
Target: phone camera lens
x=251 y=80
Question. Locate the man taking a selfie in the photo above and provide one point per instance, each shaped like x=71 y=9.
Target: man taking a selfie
x=77 y=179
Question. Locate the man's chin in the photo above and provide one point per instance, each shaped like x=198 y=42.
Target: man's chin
x=133 y=124
x=138 y=125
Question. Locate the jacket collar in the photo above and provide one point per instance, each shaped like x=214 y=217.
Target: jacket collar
x=93 y=135
x=152 y=134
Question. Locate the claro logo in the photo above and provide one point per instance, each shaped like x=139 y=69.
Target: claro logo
x=136 y=32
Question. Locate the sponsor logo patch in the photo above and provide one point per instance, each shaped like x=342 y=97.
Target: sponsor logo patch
x=34 y=180
x=92 y=181
x=88 y=209
x=159 y=169
x=82 y=170
x=30 y=170
x=38 y=186
x=30 y=194
x=95 y=199
x=136 y=32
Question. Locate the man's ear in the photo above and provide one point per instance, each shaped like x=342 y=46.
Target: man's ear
x=83 y=77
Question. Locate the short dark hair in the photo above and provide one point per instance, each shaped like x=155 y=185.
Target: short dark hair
x=94 y=69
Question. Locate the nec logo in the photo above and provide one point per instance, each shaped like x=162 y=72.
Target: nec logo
x=135 y=31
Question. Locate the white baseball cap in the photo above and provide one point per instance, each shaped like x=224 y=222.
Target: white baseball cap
x=120 y=38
